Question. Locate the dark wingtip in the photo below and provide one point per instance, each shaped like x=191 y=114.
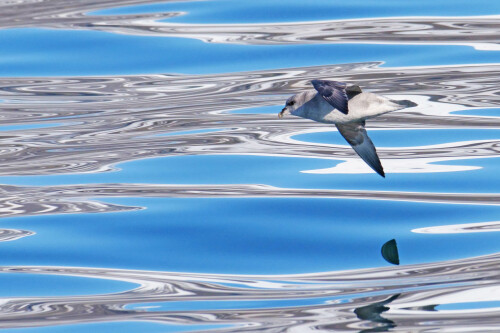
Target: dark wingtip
x=378 y=168
x=381 y=172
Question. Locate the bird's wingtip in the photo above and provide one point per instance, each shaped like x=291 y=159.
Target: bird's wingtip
x=381 y=172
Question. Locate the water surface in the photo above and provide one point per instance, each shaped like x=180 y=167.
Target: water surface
x=148 y=184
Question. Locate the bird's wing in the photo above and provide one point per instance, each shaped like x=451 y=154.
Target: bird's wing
x=357 y=137
x=333 y=92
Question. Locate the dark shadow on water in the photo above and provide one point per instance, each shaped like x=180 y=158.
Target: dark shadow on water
x=372 y=312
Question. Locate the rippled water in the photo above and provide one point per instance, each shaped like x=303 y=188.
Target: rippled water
x=149 y=186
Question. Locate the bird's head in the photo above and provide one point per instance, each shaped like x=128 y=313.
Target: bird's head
x=289 y=107
x=292 y=104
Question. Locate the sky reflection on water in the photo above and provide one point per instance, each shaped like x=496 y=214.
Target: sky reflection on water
x=262 y=11
x=273 y=236
x=47 y=52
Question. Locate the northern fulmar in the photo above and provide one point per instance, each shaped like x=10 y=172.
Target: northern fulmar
x=347 y=107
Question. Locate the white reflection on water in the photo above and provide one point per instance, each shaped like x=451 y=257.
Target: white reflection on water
x=460 y=228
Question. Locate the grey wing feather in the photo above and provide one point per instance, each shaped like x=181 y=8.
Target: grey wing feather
x=333 y=92
x=357 y=137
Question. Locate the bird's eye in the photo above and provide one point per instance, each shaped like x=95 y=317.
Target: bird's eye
x=291 y=103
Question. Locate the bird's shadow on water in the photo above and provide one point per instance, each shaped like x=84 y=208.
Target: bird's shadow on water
x=372 y=312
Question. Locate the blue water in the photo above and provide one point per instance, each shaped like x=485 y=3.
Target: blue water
x=44 y=52
x=469 y=305
x=202 y=131
x=221 y=305
x=493 y=112
x=119 y=326
x=262 y=11
x=179 y=201
x=408 y=138
x=7 y=128
x=29 y=285
x=275 y=236
x=284 y=172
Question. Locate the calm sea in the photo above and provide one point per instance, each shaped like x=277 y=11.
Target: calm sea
x=148 y=185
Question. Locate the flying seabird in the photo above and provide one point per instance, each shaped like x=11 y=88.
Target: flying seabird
x=347 y=107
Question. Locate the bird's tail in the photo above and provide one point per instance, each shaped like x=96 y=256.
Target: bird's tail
x=405 y=103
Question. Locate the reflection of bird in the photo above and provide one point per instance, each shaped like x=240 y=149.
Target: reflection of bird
x=372 y=312
x=333 y=102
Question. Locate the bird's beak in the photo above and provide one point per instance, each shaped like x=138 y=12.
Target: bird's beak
x=282 y=113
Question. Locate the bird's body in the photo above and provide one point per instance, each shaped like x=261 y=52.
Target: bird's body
x=362 y=106
x=333 y=102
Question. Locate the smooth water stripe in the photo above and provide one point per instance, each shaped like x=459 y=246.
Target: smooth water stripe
x=272 y=109
x=406 y=137
x=232 y=304
x=284 y=172
x=121 y=326
x=7 y=128
x=490 y=112
x=265 y=11
x=200 y=131
x=45 y=52
x=255 y=236
x=469 y=305
x=31 y=285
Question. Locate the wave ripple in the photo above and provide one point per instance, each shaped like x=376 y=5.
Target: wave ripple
x=401 y=298
x=102 y=121
x=480 y=32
